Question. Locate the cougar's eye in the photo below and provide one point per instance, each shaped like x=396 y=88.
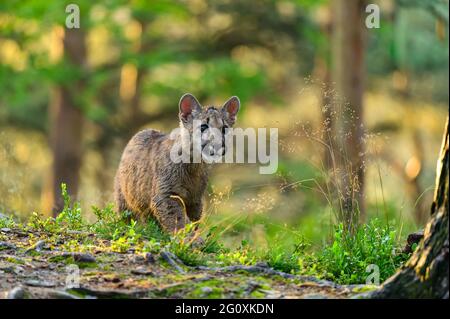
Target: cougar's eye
x=203 y=127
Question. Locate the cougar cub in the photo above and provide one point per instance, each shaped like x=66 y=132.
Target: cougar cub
x=150 y=184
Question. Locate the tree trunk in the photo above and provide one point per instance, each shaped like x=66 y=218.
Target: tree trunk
x=323 y=73
x=66 y=123
x=348 y=75
x=426 y=274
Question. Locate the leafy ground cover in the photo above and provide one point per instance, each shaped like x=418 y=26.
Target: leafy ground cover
x=116 y=257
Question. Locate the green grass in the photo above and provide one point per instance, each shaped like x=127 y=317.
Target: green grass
x=347 y=258
x=344 y=259
x=7 y=222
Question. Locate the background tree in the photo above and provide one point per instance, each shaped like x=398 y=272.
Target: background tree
x=348 y=76
x=426 y=274
x=141 y=55
x=66 y=120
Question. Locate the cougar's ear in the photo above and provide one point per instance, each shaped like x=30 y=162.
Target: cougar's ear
x=231 y=107
x=188 y=104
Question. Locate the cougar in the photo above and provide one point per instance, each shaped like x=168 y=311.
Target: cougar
x=150 y=184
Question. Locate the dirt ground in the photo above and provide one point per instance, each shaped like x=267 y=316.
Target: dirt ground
x=33 y=267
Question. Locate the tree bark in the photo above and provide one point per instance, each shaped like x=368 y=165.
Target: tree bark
x=66 y=123
x=348 y=76
x=426 y=274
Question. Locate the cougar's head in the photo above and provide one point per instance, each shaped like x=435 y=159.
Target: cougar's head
x=207 y=126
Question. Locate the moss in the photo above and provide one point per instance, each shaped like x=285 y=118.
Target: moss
x=83 y=265
x=171 y=291
x=257 y=294
x=106 y=267
x=200 y=289
x=34 y=253
x=364 y=288
x=14 y=260
x=69 y=260
x=58 y=259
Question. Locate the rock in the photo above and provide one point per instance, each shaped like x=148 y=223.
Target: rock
x=142 y=271
x=108 y=294
x=271 y=294
x=314 y=296
x=412 y=239
x=206 y=290
x=5 y=245
x=5 y=230
x=18 y=270
x=150 y=258
x=252 y=286
x=39 y=245
x=17 y=293
x=40 y=283
x=262 y=264
x=81 y=257
x=58 y=294
x=171 y=260
x=36 y=247
x=20 y=233
x=7 y=269
x=138 y=259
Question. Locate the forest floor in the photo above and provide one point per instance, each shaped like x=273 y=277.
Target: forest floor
x=36 y=265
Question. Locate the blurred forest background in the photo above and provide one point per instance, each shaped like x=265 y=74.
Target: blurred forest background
x=71 y=98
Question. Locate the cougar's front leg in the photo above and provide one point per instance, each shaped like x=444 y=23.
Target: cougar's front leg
x=170 y=214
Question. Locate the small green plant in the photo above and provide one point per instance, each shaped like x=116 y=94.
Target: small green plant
x=244 y=255
x=280 y=259
x=111 y=225
x=39 y=222
x=70 y=218
x=7 y=222
x=120 y=245
x=347 y=258
x=212 y=244
x=344 y=261
x=283 y=253
x=122 y=242
x=152 y=246
x=184 y=244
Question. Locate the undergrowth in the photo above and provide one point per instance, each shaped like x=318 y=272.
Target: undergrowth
x=344 y=260
x=349 y=258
